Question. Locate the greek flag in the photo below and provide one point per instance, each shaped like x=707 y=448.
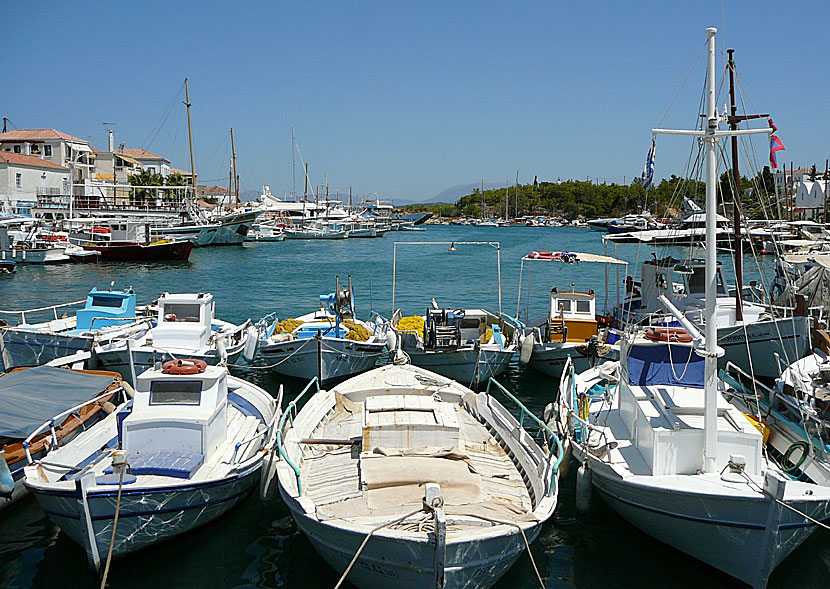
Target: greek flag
x=648 y=170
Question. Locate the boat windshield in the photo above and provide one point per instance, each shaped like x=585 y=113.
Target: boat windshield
x=165 y=392
x=182 y=312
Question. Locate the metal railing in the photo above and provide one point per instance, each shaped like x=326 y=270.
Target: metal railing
x=51 y=422
x=290 y=412
x=53 y=308
x=524 y=411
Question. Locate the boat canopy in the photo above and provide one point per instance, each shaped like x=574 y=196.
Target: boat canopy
x=665 y=365
x=571 y=258
x=30 y=397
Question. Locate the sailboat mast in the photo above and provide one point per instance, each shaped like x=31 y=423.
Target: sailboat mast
x=235 y=177
x=739 y=262
x=710 y=411
x=293 y=166
x=482 y=200
x=190 y=137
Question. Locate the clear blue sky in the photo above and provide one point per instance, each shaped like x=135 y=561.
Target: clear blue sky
x=408 y=99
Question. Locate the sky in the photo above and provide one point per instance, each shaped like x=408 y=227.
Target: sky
x=406 y=99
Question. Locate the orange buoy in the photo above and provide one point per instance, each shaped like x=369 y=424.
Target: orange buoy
x=184 y=366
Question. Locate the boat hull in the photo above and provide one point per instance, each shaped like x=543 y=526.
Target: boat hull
x=388 y=562
x=726 y=531
x=174 y=251
x=340 y=358
x=464 y=365
x=789 y=338
x=52 y=255
x=19 y=347
x=550 y=359
x=146 y=515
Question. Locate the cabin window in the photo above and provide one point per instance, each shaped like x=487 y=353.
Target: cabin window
x=583 y=307
x=111 y=302
x=166 y=392
x=182 y=312
x=471 y=323
x=47 y=150
x=564 y=306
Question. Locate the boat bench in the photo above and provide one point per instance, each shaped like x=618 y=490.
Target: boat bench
x=164 y=463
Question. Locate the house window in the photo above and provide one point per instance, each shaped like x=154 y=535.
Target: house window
x=47 y=150
x=18 y=148
x=35 y=149
x=17 y=179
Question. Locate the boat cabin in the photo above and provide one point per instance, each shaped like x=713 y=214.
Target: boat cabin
x=112 y=232
x=105 y=308
x=184 y=321
x=447 y=328
x=572 y=317
x=682 y=281
x=176 y=421
x=661 y=404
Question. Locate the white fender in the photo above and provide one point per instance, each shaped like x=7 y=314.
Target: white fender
x=221 y=352
x=391 y=340
x=251 y=344
x=526 y=347
x=583 y=489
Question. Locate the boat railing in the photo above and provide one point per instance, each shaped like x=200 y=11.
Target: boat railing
x=50 y=424
x=290 y=414
x=137 y=320
x=525 y=412
x=260 y=435
x=573 y=408
x=53 y=308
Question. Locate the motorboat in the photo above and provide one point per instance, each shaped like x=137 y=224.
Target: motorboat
x=32 y=396
x=186 y=449
x=122 y=240
x=330 y=342
x=469 y=346
x=185 y=327
x=400 y=477
x=106 y=316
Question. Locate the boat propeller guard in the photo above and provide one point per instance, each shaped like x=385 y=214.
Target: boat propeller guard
x=184 y=366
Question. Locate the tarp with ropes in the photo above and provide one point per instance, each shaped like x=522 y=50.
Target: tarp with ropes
x=813 y=285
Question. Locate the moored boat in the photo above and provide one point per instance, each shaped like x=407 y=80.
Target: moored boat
x=400 y=477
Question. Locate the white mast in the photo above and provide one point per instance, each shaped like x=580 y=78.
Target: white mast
x=711 y=135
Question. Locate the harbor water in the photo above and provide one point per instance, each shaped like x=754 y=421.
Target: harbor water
x=257 y=544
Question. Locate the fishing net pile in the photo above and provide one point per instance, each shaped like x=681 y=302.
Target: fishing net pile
x=287 y=326
x=411 y=323
x=356 y=331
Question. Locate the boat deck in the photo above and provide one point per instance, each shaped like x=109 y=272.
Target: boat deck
x=476 y=476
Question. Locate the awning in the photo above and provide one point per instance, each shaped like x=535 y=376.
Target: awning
x=30 y=397
x=571 y=257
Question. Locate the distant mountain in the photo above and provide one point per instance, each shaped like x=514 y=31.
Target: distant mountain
x=249 y=195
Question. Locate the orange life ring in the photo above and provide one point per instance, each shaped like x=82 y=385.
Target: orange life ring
x=100 y=229
x=184 y=366
x=668 y=334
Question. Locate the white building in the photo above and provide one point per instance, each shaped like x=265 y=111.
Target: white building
x=23 y=178
x=155 y=164
x=809 y=198
x=52 y=146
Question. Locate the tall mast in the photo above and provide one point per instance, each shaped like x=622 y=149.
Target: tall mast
x=482 y=200
x=517 y=193
x=293 y=166
x=710 y=410
x=190 y=137
x=736 y=195
x=235 y=177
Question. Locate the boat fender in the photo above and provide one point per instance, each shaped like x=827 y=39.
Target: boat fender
x=221 y=351
x=526 y=348
x=583 y=489
x=107 y=407
x=391 y=340
x=184 y=366
x=6 y=480
x=251 y=344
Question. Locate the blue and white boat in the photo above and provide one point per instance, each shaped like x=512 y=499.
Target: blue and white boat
x=194 y=440
x=322 y=343
x=186 y=327
x=107 y=316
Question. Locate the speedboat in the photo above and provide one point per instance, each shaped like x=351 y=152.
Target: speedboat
x=186 y=327
x=106 y=316
x=190 y=446
x=330 y=342
x=400 y=477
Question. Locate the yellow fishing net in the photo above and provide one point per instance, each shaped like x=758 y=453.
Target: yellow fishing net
x=287 y=325
x=412 y=323
x=356 y=331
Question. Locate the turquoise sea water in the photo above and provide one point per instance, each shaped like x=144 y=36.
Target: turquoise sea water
x=257 y=544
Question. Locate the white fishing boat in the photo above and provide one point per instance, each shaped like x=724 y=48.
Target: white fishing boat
x=30 y=396
x=330 y=343
x=469 y=346
x=106 y=316
x=401 y=477
x=186 y=327
x=571 y=328
x=189 y=447
x=669 y=453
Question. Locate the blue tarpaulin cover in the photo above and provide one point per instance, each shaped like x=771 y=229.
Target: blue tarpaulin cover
x=30 y=397
x=666 y=364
